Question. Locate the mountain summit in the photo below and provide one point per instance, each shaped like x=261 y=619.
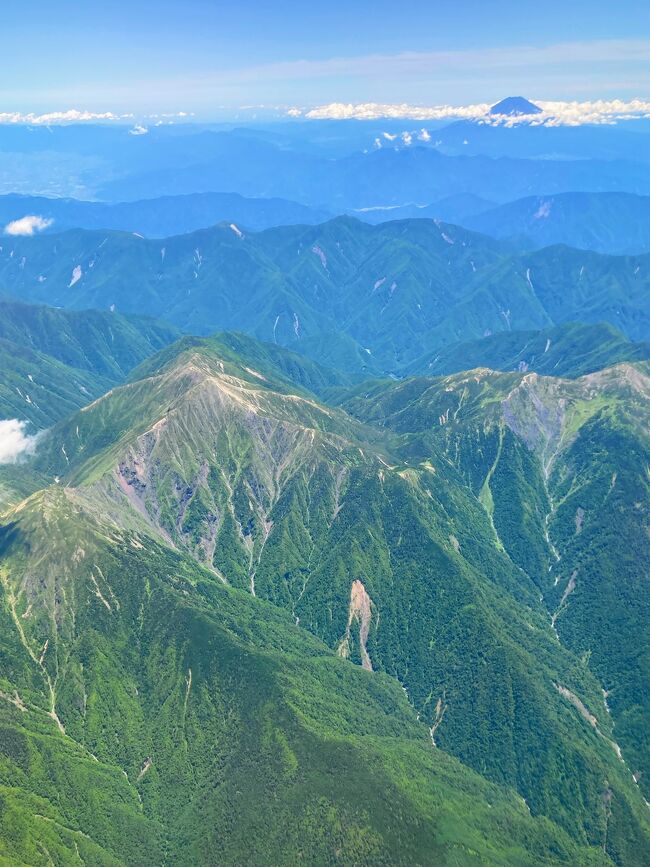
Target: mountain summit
x=514 y=106
x=234 y=594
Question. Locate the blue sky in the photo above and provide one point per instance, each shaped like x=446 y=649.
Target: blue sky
x=214 y=57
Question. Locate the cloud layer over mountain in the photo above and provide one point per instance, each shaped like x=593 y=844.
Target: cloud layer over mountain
x=554 y=113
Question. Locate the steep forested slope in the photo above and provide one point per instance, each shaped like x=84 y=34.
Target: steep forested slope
x=107 y=344
x=566 y=350
x=152 y=712
x=561 y=470
x=366 y=298
x=152 y=715
x=37 y=388
x=55 y=361
x=376 y=546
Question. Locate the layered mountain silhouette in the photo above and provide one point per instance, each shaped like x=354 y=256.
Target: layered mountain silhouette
x=358 y=297
x=324 y=540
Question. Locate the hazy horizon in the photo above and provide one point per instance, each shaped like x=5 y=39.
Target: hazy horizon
x=210 y=58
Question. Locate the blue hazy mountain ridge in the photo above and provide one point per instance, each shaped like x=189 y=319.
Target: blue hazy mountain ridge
x=534 y=141
x=346 y=293
x=382 y=176
x=302 y=162
x=605 y=222
x=162 y=216
x=452 y=209
x=616 y=223
x=178 y=215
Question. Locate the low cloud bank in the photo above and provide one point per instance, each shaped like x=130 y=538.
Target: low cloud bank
x=14 y=442
x=27 y=225
x=554 y=113
x=74 y=115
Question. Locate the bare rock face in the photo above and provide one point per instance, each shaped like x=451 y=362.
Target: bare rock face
x=360 y=613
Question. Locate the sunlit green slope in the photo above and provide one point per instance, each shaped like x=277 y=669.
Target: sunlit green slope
x=561 y=468
x=566 y=350
x=149 y=714
x=380 y=543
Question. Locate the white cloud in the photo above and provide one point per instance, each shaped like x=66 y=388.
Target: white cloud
x=595 y=111
x=554 y=113
x=74 y=115
x=377 y=111
x=14 y=442
x=138 y=129
x=27 y=225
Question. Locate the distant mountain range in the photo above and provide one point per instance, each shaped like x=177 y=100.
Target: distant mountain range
x=616 y=223
x=605 y=222
x=295 y=163
x=380 y=177
x=159 y=217
x=542 y=142
x=354 y=296
x=452 y=209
